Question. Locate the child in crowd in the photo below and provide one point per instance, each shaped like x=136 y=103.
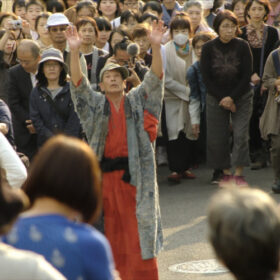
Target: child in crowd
x=19 y=8
x=33 y=10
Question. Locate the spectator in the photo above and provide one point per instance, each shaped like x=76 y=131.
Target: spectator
x=154 y=8
x=238 y=8
x=19 y=8
x=57 y=24
x=194 y=9
x=7 y=59
x=59 y=210
x=262 y=39
x=244 y=229
x=10 y=162
x=6 y=125
x=169 y=9
x=21 y=81
x=104 y=29
x=28 y=265
x=116 y=36
x=55 y=6
x=129 y=20
x=44 y=39
x=85 y=9
x=180 y=146
x=33 y=10
x=269 y=125
x=226 y=67
x=140 y=36
x=51 y=107
x=198 y=92
x=108 y=9
x=87 y=30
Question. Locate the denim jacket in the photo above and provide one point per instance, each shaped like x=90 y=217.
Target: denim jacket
x=198 y=92
x=94 y=112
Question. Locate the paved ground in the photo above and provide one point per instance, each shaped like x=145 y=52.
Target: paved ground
x=183 y=209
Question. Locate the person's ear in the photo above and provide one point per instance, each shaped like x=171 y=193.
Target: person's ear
x=101 y=85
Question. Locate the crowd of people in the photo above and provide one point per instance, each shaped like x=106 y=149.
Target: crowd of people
x=109 y=90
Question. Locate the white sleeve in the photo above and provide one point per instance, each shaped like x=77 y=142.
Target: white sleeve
x=194 y=109
x=11 y=163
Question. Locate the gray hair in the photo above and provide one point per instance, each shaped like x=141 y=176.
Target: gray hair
x=191 y=3
x=244 y=230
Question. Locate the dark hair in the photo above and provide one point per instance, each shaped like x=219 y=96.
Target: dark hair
x=13 y=55
x=126 y=15
x=181 y=20
x=154 y=6
x=265 y=3
x=221 y=16
x=18 y=3
x=12 y=202
x=122 y=45
x=42 y=80
x=55 y=6
x=234 y=2
x=117 y=10
x=5 y=15
x=67 y=170
x=122 y=32
x=202 y=36
x=140 y=30
x=34 y=2
x=85 y=21
x=148 y=16
x=103 y=24
x=86 y=4
x=42 y=15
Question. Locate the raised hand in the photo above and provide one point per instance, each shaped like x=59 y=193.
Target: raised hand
x=155 y=36
x=73 y=38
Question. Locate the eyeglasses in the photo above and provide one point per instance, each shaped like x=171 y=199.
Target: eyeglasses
x=51 y=64
x=26 y=62
x=228 y=27
x=56 y=29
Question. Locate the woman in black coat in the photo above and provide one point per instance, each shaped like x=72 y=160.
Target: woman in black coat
x=51 y=107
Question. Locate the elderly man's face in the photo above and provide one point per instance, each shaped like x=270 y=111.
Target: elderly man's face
x=27 y=60
x=57 y=33
x=112 y=82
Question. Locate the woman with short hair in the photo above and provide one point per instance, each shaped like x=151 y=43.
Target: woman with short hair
x=64 y=188
x=179 y=58
x=51 y=106
x=262 y=39
x=226 y=67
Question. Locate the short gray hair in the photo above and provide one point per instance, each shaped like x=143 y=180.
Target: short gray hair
x=191 y=3
x=244 y=230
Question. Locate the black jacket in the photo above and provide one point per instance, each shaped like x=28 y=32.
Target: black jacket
x=48 y=120
x=20 y=87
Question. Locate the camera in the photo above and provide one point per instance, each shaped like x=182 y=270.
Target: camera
x=17 y=24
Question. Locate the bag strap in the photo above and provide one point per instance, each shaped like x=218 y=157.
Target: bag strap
x=262 y=51
x=53 y=104
x=276 y=61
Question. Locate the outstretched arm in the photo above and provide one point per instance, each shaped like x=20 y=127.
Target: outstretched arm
x=155 y=37
x=74 y=43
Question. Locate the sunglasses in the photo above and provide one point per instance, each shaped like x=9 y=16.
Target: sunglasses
x=56 y=29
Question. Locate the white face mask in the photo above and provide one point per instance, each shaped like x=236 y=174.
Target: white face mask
x=181 y=39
